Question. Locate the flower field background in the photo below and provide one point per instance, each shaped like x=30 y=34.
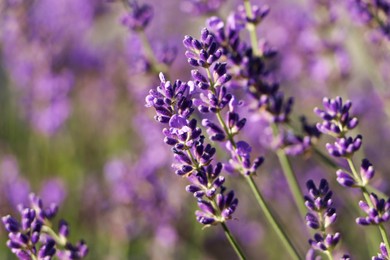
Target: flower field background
x=276 y=134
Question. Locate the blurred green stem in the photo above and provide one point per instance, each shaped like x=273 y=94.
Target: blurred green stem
x=156 y=66
x=276 y=226
x=384 y=236
x=329 y=162
x=290 y=176
x=272 y=220
x=329 y=255
x=233 y=242
x=251 y=27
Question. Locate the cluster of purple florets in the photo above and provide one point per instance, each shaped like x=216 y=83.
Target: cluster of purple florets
x=34 y=238
x=194 y=159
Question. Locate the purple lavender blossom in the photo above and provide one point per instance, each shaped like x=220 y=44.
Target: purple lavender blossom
x=250 y=70
x=174 y=107
x=138 y=17
x=33 y=236
x=336 y=116
x=201 y=7
x=383 y=255
x=372 y=13
x=214 y=97
x=321 y=215
x=378 y=211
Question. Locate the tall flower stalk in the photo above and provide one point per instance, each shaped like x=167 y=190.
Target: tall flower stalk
x=137 y=19
x=214 y=97
x=338 y=121
x=269 y=97
x=194 y=158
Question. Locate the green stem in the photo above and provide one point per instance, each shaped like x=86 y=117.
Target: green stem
x=290 y=176
x=325 y=159
x=384 y=236
x=156 y=66
x=354 y=172
x=233 y=242
x=365 y=193
x=276 y=226
x=60 y=241
x=329 y=162
x=329 y=255
x=33 y=257
x=251 y=27
x=228 y=234
x=272 y=220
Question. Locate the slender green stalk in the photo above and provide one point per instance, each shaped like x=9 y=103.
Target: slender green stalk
x=276 y=226
x=325 y=159
x=252 y=29
x=272 y=220
x=156 y=66
x=329 y=255
x=329 y=162
x=384 y=236
x=365 y=193
x=233 y=242
x=49 y=231
x=290 y=176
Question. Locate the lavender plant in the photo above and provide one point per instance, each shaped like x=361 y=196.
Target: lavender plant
x=34 y=238
x=72 y=115
x=174 y=107
x=269 y=101
x=338 y=121
x=214 y=98
x=373 y=13
x=321 y=215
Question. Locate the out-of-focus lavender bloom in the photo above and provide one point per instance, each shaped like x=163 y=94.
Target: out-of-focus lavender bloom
x=14 y=188
x=372 y=13
x=241 y=18
x=53 y=191
x=138 y=17
x=37 y=57
x=377 y=212
x=321 y=216
x=202 y=7
x=33 y=237
x=139 y=62
x=383 y=255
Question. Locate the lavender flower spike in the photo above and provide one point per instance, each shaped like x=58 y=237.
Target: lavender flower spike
x=378 y=213
x=33 y=237
x=174 y=107
x=337 y=120
x=320 y=216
